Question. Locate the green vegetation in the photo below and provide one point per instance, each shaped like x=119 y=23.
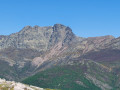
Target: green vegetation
x=62 y=77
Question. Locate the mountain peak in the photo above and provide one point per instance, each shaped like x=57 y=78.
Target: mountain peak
x=58 y=26
x=27 y=27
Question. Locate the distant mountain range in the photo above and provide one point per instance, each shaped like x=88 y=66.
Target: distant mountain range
x=70 y=62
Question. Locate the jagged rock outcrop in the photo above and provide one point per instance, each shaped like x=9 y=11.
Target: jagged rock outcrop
x=12 y=85
x=39 y=38
x=115 y=44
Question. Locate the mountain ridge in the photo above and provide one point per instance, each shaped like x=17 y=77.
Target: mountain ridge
x=35 y=49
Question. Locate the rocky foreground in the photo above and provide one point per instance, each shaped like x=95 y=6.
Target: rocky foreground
x=11 y=85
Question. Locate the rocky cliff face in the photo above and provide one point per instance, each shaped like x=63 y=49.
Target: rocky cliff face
x=29 y=37
x=37 y=48
x=39 y=38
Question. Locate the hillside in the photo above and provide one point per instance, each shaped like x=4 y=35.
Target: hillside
x=80 y=75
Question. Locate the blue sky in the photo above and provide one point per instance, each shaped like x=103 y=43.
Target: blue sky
x=87 y=18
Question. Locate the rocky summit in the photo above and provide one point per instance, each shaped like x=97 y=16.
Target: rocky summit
x=37 y=49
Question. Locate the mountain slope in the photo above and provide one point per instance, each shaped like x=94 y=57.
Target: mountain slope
x=78 y=75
